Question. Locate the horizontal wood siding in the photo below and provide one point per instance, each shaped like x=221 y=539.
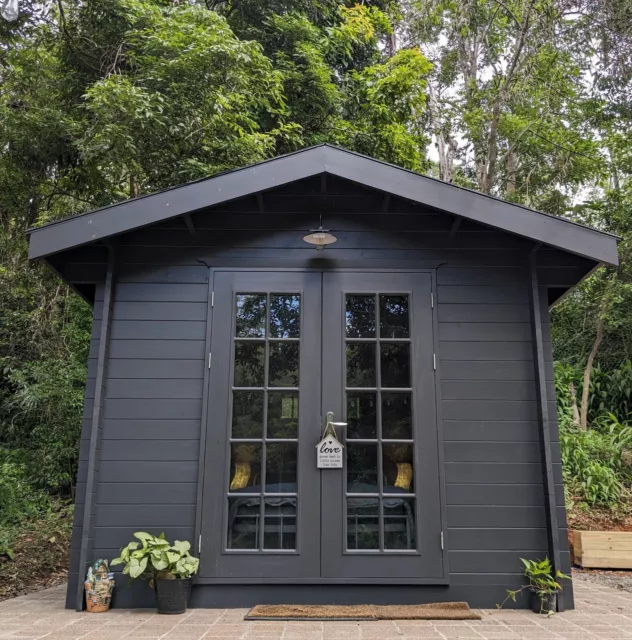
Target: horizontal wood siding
x=151 y=428
x=493 y=473
x=153 y=402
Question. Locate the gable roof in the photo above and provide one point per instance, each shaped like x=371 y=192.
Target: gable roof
x=126 y=216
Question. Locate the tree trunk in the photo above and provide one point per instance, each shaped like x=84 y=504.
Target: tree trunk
x=134 y=190
x=583 y=420
x=574 y=409
x=446 y=144
x=512 y=170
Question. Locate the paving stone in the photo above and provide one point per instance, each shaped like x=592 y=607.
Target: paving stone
x=601 y=613
x=348 y=634
x=186 y=633
x=459 y=632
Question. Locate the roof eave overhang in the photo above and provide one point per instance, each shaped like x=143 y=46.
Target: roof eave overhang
x=133 y=214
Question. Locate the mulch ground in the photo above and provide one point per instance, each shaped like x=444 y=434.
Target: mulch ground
x=41 y=556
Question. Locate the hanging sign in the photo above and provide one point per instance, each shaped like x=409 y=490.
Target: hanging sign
x=329 y=453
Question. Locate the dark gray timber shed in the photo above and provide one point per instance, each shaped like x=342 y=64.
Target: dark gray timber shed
x=221 y=340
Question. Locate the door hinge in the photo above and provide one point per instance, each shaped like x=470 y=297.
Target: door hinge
x=209 y=359
x=200 y=544
x=212 y=299
x=434 y=361
x=431 y=300
x=442 y=541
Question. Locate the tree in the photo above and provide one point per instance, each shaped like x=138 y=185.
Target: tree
x=505 y=98
x=110 y=99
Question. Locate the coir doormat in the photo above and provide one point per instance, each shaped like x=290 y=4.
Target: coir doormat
x=434 y=611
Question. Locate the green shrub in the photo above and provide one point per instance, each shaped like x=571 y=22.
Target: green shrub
x=18 y=498
x=610 y=390
x=593 y=463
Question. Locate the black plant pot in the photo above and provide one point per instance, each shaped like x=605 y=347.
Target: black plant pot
x=172 y=596
x=544 y=603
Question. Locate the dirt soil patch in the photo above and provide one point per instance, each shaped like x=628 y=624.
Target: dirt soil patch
x=600 y=519
x=41 y=551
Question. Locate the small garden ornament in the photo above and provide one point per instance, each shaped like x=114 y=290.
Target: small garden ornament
x=168 y=569
x=99 y=585
x=542 y=584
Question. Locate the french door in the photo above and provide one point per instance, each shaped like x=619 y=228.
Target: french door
x=380 y=514
x=287 y=348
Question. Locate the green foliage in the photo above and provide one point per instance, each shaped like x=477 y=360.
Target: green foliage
x=597 y=462
x=610 y=391
x=5 y=548
x=540 y=576
x=108 y=99
x=18 y=498
x=153 y=557
x=542 y=581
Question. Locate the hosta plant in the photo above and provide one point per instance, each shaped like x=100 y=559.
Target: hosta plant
x=153 y=557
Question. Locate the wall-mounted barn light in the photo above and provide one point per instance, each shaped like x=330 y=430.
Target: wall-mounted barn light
x=320 y=237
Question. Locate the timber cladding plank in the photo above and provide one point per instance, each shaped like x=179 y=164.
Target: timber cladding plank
x=487 y=390
x=485 y=331
x=603 y=549
x=504 y=370
x=472 y=312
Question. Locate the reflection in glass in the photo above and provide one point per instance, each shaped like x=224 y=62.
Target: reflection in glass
x=361 y=417
x=279 y=528
x=363 y=523
x=282 y=414
x=361 y=364
x=283 y=371
x=397 y=468
x=397 y=421
x=285 y=315
x=251 y=315
x=281 y=467
x=399 y=523
x=245 y=468
x=247 y=414
x=360 y=316
x=243 y=523
x=395 y=364
x=361 y=468
x=249 y=357
x=394 y=321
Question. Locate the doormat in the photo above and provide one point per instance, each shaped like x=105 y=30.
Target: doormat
x=433 y=611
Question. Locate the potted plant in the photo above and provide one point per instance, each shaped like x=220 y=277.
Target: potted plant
x=542 y=584
x=168 y=569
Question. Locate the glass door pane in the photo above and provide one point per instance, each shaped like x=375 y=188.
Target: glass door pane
x=381 y=512
x=380 y=442
x=266 y=412
x=261 y=487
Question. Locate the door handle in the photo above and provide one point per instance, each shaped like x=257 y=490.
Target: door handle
x=330 y=425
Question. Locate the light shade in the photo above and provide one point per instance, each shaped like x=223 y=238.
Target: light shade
x=320 y=237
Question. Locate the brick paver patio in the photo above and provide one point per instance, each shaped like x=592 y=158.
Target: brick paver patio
x=601 y=612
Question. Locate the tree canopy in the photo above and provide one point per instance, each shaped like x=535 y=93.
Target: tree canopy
x=104 y=100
